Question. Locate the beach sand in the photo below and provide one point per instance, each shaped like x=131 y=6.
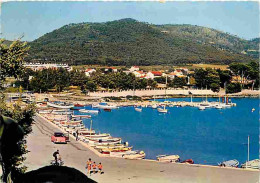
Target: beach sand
x=75 y=155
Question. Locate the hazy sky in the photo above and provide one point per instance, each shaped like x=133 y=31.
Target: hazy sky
x=34 y=19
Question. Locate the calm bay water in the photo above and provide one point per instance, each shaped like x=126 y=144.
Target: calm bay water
x=208 y=137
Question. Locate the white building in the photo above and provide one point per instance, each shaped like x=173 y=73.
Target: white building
x=88 y=72
x=134 y=68
x=40 y=66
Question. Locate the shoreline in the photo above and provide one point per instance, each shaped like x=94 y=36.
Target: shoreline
x=119 y=170
x=150 y=160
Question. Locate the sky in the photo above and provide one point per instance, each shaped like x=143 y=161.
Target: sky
x=31 y=20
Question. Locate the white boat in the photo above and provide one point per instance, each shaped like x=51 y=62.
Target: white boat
x=121 y=154
x=162 y=110
x=100 y=141
x=154 y=106
x=202 y=107
x=45 y=111
x=61 y=112
x=89 y=111
x=168 y=158
x=138 y=109
x=230 y=163
x=109 y=146
x=59 y=105
x=218 y=106
x=97 y=136
x=104 y=106
x=253 y=164
x=81 y=116
x=134 y=155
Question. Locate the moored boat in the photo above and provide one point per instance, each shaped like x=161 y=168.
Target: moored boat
x=89 y=111
x=202 y=108
x=230 y=163
x=134 y=155
x=188 y=161
x=138 y=109
x=60 y=105
x=253 y=164
x=100 y=141
x=162 y=110
x=81 y=116
x=78 y=105
x=168 y=158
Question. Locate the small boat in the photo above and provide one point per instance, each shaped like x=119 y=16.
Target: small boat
x=134 y=155
x=217 y=106
x=253 y=109
x=154 y=106
x=100 y=141
x=188 y=161
x=162 y=110
x=107 y=110
x=109 y=146
x=96 y=136
x=168 y=158
x=45 y=111
x=230 y=163
x=60 y=105
x=202 y=107
x=81 y=116
x=253 y=164
x=104 y=106
x=138 y=109
x=117 y=149
x=78 y=105
x=89 y=111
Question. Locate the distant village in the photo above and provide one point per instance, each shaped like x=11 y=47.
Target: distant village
x=180 y=72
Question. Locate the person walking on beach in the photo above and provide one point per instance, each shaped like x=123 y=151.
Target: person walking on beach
x=100 y=167
x=94 y=167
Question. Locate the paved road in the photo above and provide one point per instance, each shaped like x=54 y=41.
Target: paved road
x=120 y=170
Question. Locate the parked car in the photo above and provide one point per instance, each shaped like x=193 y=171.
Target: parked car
x=59 y=137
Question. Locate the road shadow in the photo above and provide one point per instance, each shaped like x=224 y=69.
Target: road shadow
x=54 y=174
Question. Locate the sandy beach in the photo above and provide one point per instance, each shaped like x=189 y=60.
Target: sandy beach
x=75 y=155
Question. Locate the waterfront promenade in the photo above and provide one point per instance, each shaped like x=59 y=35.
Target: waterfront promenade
x=161 y=92
x=120 y=170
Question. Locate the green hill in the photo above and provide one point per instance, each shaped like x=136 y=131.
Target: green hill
x=129 y=42
x=215 y=38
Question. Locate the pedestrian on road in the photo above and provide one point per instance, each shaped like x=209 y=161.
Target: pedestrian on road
x=77 y=135
x=55 y=155
x=100 y=167
x=88 y=167
x=89 y=161
x=94 y=167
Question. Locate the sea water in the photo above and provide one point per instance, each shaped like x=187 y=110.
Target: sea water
x=208 y=137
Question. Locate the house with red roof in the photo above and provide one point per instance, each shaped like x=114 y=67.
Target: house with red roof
x=134 y=68
x=88 y=72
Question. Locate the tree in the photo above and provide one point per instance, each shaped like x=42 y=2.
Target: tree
x=12 y=132
x=206 y=77
x=233 y=88
x=177 y=82
x=91 y=86
x=199 y=76
x=62 y=79
x=151 y=83
x=77 y=78
x=11 y=59
x=225 y=76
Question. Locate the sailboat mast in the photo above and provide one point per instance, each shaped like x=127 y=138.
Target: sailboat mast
x=248 y=149
x=165 y=87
